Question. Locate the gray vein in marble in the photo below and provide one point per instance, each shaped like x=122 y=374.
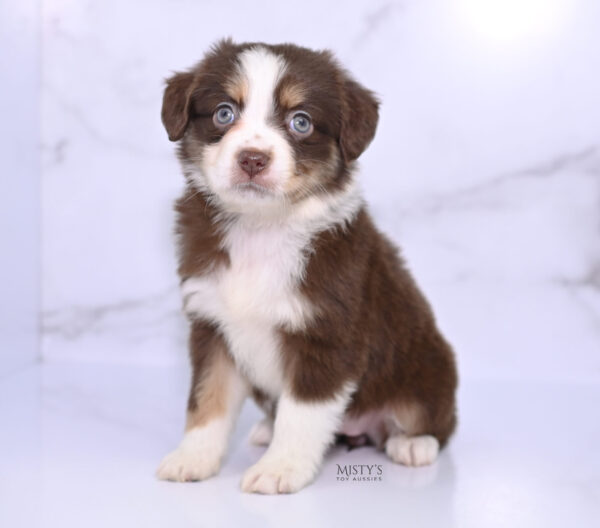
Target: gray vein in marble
x=591 y=279
x=70 y=323
x=585 y=161
x=583 y=289
x=373 y=21
x=588 y=282
x=55 y=153
x=117 y=144
x=591 y=310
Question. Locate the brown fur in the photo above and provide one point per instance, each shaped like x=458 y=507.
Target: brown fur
x=264 y=402
x=199 y=236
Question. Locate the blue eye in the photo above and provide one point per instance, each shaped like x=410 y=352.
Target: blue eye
x=301 y=124
x=224 y=115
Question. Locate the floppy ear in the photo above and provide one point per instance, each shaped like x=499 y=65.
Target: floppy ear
x=359 y=119
x=176 y=104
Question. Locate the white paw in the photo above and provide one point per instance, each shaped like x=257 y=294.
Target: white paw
x=276 y=476
x=412 y=450
x=261 y=433
x=187 y=464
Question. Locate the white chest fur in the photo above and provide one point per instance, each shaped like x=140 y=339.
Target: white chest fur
x=254 y=296
x=257 y=294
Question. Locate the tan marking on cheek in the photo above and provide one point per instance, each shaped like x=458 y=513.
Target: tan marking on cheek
x=211 y=391
x=301 y=183
x=310 y=176
x=291 y=95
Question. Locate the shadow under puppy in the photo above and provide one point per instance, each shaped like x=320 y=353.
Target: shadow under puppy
x=294 y=296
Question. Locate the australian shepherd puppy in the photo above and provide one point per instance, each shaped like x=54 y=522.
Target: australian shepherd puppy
x=293 y=295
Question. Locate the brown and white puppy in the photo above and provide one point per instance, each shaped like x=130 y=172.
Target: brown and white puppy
x=293 y=295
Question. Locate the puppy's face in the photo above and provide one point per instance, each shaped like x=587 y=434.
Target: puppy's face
x=264 y=126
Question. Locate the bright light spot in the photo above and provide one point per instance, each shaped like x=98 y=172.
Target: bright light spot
x=512 y=21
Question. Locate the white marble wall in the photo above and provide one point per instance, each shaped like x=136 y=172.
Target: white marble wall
x=485 y=168
x=19 y=184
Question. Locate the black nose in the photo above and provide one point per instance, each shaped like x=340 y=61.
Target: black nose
x=253 y=161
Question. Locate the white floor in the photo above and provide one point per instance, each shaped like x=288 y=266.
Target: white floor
x=79 y=446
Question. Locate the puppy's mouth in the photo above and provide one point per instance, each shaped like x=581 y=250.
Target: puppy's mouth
x=252 y=188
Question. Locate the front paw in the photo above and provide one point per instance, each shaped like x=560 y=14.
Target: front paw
x=271 y=476
x=187 y=464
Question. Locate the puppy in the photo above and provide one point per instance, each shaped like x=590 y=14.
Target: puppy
x=293 y=296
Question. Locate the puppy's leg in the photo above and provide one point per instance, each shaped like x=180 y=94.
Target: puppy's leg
x=261 y=433
x=216 y=396
x=302 y=432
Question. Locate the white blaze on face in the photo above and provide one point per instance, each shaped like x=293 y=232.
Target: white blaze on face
x=260 y=71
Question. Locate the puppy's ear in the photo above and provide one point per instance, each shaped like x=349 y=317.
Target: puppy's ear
x=176 y=104
x=359 y=119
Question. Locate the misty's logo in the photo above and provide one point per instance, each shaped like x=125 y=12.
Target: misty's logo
x=359 y=473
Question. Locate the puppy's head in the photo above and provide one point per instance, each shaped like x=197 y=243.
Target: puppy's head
x=263 y=126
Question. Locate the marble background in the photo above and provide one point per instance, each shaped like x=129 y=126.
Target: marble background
x=485 y=168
